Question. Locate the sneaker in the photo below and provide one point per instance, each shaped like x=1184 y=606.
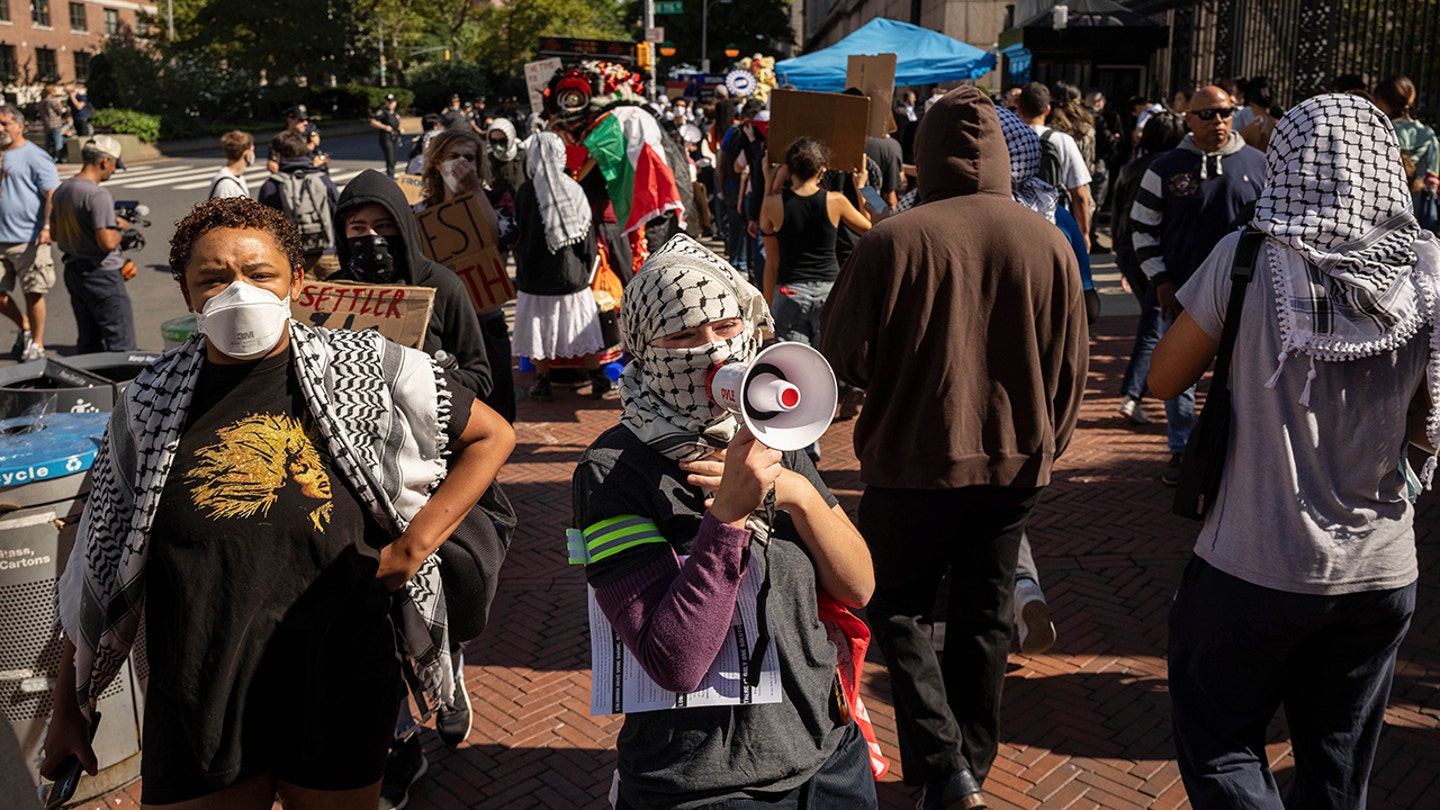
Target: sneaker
x=32 y=352
x=850 y=401
x=1170 y=476
x=1032 y=618
x=1130 y=409
x=452 y=720
x=960 y=790
x=403 y=769
x=540 y=391
x=22 y=342
x=601 y=387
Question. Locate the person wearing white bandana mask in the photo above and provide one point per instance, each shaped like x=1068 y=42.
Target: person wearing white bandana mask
x=270 y=496
x=700 y=497
x=1304 y=577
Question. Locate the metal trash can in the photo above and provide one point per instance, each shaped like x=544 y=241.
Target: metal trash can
x=43 y=487
x=81 y=384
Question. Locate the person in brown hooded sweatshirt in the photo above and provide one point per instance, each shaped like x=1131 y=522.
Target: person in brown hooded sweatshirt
x=964 y=321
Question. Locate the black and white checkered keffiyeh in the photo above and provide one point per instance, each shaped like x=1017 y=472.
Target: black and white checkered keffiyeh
x=1354 y=273
x=382 y=410
x=563 y=207
x=1025 y=157
x=682 y=286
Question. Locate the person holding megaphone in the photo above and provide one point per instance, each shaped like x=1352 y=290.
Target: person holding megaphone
x=675 y=504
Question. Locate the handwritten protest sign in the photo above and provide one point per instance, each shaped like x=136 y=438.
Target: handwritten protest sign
x=537 y=77
x=400 y=313
x=414 y=187
x=837 y=120
x=875 y=77
x=458 y=236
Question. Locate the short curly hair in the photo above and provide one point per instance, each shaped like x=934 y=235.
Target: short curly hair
x=232 y=212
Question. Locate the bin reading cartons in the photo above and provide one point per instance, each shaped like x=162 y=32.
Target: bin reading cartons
x=838 y=120
x=399 y=312
x=457 y=235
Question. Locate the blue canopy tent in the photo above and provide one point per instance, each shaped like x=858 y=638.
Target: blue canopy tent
x=925 y=57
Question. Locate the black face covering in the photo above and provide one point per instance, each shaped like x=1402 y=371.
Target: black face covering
x=372 y=261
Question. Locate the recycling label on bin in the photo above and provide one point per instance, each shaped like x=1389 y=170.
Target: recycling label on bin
x=39 y=448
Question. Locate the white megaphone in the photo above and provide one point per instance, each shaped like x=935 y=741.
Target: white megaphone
x=786 y=396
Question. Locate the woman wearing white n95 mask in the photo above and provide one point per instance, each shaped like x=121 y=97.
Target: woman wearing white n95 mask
x=270 y=494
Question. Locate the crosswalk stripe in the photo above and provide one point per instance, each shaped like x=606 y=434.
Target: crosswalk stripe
x=166 y=179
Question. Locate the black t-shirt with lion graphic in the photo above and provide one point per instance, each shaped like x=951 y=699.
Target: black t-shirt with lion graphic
x=264 y=617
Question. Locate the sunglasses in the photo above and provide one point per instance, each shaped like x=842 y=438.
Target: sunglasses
x=1209 y=115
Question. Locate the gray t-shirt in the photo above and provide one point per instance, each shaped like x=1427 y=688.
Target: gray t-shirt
x=686 y=758
x=80 y=207
x=1312 y=500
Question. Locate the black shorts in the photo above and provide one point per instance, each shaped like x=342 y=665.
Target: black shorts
x=339 y=744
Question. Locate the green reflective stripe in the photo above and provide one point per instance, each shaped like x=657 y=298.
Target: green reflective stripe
x=614 y=535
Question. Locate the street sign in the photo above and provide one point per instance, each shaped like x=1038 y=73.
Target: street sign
x=656 y=34
x=669 y=7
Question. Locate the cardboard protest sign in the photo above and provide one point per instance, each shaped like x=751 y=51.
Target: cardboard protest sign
x=458 y=236
x=537 y=76
x=875 y=77
x=414 y=187
x=835 y=119
x=400 y=313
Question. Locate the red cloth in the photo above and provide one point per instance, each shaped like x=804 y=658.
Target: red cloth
x=852 y=639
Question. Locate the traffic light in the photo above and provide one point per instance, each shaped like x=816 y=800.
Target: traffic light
x=644 y=55
x=447 y=54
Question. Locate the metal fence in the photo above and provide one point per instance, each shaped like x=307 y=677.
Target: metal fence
x=1301 y=45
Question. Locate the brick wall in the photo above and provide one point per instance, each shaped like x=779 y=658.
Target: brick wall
x=34 y=46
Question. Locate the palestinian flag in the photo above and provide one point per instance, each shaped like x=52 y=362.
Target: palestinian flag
x=626 y=145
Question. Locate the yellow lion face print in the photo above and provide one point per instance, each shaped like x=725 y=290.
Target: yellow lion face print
x=255 y=458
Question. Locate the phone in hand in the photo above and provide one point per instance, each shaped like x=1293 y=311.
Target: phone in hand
x=875 y=201
x=68 y=777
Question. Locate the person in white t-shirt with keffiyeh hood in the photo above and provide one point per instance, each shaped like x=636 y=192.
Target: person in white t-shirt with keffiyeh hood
x=1303 y=581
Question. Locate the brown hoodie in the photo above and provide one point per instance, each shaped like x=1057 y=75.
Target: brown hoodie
x=962 y=319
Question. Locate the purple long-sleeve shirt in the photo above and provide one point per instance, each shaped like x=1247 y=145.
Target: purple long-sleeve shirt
x=674 y=617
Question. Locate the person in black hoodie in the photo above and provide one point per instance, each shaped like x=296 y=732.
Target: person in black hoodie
x=378 y=242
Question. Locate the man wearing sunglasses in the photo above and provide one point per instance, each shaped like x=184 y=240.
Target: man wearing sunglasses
x=1189 y=199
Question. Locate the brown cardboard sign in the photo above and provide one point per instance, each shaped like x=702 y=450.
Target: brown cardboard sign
x=875 y=77
x=400 y=313
x=837 y=120
x=457 y=235
x=414 y=187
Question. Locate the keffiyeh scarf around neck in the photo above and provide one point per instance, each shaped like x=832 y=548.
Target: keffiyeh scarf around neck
x=1025 y=157
x=382 y=411
x=682 y=286
x=563 y=207
x=1354 y=274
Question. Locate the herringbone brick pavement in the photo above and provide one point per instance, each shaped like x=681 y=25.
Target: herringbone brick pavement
x=1084 y=726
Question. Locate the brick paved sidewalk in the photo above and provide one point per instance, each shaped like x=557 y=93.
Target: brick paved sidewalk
x=1084 y=726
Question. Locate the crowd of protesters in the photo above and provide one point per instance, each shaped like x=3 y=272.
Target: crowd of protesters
x=945 y=276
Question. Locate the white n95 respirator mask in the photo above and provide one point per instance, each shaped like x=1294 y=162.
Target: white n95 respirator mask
x=244 y=322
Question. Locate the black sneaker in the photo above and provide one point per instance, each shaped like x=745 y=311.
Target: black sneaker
x=452 y=720
x=601 y=387
x=1170 y=476
x=540 y=391
x=22 y=342
x=403 y=769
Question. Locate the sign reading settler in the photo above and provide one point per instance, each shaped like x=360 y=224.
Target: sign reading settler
x=457 y=235
x=399 y=312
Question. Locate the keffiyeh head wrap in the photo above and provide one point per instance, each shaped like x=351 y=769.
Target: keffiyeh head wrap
x=1360 y=276
x=1025 y=157
x=683 y=286
x=563 y=207
x=512 y=140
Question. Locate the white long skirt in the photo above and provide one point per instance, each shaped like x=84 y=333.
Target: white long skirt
x=552 y=326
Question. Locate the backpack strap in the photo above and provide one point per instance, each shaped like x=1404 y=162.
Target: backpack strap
x=1241 y=272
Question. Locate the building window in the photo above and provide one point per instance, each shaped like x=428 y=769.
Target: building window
x=142 y=24
x=40 y=13
x=8 y=70
x=112 y=22
x=82 y=66
x=5 y=11
x=45 y=68
x=77 y=17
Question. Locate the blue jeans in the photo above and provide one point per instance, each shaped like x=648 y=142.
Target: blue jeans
x=1179 y=411
x=103 y=318
x=1147 y=331
x=843 y=780
x=1239 y=651
x=797 y=310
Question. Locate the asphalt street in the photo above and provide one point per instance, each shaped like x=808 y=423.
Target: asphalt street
x=170 y=187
